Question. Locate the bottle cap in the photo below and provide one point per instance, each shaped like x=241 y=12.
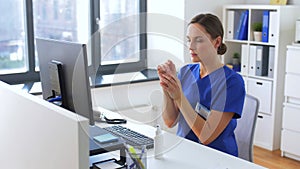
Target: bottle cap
x=158 y=129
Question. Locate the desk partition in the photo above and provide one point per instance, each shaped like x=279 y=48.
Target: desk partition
x=35 y=134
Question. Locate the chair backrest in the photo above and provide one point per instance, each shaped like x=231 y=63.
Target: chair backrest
x=245 y=129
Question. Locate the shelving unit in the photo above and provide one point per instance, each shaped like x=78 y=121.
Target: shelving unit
x=290 y=136
x=268 y=88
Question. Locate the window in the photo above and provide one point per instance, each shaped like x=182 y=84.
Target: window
x=55 y=9
x=61 y=20
x=12 y=38
x=60 y=25
x=16 y=39
x=23 y=20
x=121 y=28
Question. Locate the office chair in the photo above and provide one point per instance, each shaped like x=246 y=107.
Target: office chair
x=245 y=129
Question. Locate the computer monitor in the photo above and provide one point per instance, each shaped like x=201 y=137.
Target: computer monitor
x=63 y=73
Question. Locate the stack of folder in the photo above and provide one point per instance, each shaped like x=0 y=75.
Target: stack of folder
x=258 y=60
x=269 y=22
x=237 y=24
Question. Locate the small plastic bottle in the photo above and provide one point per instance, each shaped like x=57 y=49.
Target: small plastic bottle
x=158 y=143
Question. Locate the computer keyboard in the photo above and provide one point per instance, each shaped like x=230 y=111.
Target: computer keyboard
x=131 y=137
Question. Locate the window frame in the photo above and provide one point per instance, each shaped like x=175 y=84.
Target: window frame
x=31 y=75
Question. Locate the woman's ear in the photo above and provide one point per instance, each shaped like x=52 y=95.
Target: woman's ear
x=217 y=42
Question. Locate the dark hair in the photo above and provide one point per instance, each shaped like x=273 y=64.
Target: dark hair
x=213 y=26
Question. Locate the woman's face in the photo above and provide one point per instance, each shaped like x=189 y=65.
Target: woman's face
x=200 y=43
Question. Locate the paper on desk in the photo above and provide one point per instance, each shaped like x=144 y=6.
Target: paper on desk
x=108 y=165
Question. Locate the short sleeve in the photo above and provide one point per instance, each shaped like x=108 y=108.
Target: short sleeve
x=186 y=71
x=228 y=93
x=235 y=95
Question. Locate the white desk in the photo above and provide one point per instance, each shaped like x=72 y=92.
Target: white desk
x=182 y=153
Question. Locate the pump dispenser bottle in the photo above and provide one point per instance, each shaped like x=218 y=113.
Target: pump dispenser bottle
x=158 y=143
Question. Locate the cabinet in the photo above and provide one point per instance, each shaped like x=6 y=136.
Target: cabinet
x=262 y=62
x=290 y=136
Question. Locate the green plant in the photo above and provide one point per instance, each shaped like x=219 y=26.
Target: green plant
x=236 y=55
x=257 y=26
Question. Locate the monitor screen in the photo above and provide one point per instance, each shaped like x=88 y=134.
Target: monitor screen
x=63 y=73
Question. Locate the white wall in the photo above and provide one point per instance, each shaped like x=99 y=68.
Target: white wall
x=165 y=31
x=194 y=7
x=289 y=2
x=126 y=96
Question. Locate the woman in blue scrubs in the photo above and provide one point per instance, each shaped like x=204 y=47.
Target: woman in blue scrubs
x=206 y=97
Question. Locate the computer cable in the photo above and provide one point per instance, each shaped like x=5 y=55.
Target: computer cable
x=102 y=119
x=115 y=121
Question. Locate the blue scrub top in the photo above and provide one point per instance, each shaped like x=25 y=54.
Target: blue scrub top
x=222 y=90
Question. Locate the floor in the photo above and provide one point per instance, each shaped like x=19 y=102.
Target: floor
x=273 y=159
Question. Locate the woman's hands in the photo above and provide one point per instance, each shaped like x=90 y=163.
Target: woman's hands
x=169 y=81
x=168 y=68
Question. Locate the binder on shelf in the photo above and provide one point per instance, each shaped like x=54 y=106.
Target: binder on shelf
x=252 y=60
x=244 y=59
x=265 y=26
x=262 y=60
x=230 y=24
x=271 y=62
x=238 y=28
x=243 y=33
x=273 y=27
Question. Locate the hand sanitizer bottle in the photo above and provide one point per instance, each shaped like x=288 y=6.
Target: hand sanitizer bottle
x=158 y=143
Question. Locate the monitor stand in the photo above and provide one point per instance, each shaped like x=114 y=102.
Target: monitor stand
x=98 y=116
x=98 y=148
